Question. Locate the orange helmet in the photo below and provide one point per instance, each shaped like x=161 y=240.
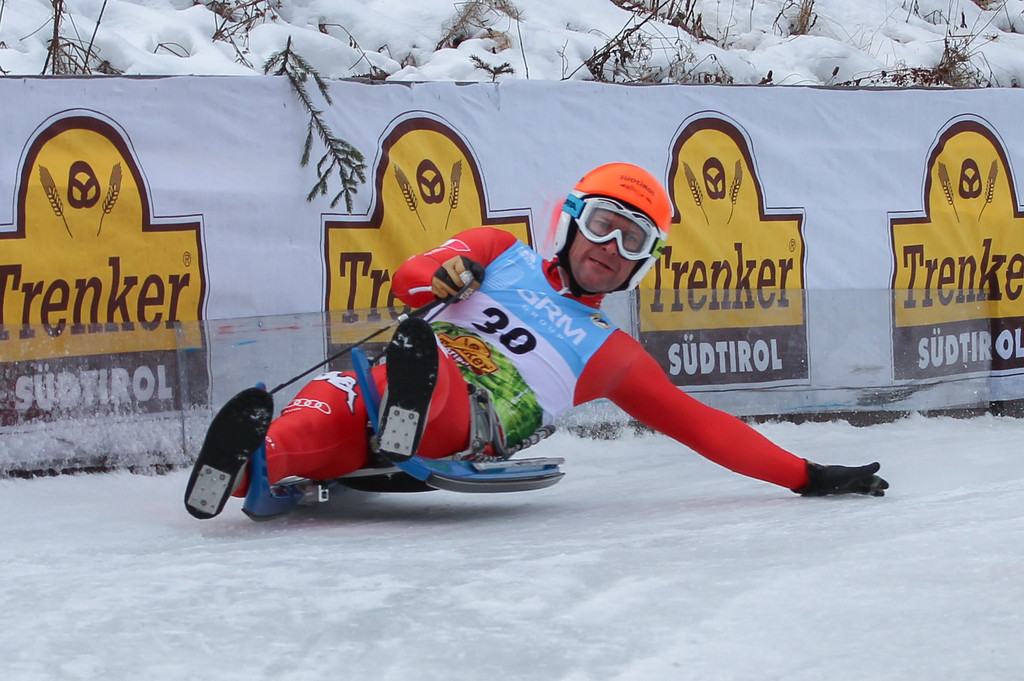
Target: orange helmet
x=635 y=190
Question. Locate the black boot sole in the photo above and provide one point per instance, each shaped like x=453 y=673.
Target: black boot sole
x=411 y=366
x=236 y=432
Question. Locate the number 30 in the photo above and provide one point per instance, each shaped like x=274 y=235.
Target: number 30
x=518 y=340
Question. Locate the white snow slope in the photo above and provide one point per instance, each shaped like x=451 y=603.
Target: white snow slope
x=646 y=562
x=797 y=42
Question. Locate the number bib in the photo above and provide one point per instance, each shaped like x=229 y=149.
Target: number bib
x=522 y=341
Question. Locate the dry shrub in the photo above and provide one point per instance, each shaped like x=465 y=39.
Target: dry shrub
x=475 y=18
x=236 y=18
x=799 y=15
x=955 y=69
x=681 y=14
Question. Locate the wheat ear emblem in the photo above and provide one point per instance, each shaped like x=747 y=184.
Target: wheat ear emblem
x=990 y=187
x=698 y=195
x=734 y=190
x=947 y=188
x=113 y=191
x=50 y=187
x=453 y=198
x=408 y=194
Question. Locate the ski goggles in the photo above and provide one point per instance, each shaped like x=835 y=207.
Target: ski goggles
x=601 y=220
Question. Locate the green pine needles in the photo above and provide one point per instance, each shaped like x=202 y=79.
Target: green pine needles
x=340 y=156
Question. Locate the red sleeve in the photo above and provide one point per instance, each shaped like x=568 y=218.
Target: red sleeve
x=625 y=373
x=411 y=282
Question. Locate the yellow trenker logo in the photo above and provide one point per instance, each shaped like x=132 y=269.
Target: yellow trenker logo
x=427 y=187
x=86 y=257
x=964 y=257
x=739 y=263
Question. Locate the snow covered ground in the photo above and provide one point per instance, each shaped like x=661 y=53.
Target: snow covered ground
x=645 y=562
x=784 y=42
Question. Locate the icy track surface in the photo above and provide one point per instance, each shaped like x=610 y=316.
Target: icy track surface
x=645 y=562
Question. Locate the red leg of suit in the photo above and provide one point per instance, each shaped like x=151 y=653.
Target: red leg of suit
x=324 y=433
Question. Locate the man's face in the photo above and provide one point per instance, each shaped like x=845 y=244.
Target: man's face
x=598 y=268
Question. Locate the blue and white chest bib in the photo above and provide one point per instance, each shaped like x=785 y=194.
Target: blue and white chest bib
x=522 y=341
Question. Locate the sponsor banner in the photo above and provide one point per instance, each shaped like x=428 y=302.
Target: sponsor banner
x=718 y=357
x=955 y=348
x=93 y=285
x=86 y=254
x=427 y=186
x=145 y=209
x=734 y=312
x=94 y=386
x=958 y=265
x=807 y=206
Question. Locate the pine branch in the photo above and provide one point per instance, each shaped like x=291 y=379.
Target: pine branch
x=340 y=157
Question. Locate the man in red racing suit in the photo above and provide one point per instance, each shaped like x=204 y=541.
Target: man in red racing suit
x=609 y=234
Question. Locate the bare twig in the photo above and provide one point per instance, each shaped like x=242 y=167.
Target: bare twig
x=95 y=29
x=236 y=18
x=621 y=48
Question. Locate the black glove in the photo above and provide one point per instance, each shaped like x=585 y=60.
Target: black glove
x=453 y=276
x=824 y=480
